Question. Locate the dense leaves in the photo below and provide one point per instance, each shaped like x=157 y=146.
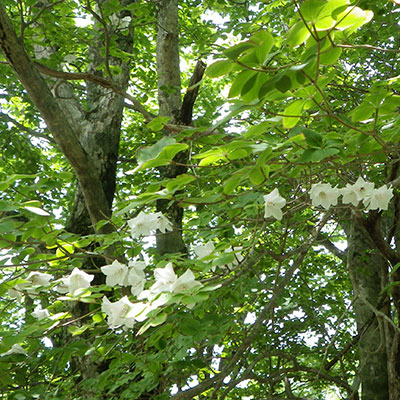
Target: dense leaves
x=298 y=103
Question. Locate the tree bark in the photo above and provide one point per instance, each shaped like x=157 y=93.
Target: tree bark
x=64 y=134
x=169 y=102
x=366 y=267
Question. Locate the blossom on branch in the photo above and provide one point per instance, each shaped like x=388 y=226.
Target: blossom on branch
x=116 y=273
x=40 y=313
x=136 y=277
x=274 y=204
x=323 y=194
x=378 y=199
x=353 y=194
x=185 y=283
x=204 y=251
x=143 y=224
x=165 y=279
x=77 y=280
x=118 y=313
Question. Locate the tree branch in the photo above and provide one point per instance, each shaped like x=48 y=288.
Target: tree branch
x=63 y=133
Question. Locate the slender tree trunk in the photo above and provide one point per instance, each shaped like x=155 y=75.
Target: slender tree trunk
x=169 y=101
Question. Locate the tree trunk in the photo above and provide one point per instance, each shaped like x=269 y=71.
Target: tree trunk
x=169 y=102
x=367 y=267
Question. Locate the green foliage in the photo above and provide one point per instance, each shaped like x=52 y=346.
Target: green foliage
x=311 y=98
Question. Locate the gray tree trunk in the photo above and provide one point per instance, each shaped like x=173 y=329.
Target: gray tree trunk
x=367 y=268
x=169 y=102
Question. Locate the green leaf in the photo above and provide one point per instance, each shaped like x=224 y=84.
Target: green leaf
x=265 y=42
x=353 y=17
x=310 y=9
x=362 y=112
x=249 y=84
x=330 y=56
x=158 y=123
x=231 y=183
x=297 y=34
x=239 y=82
x=235 y=51
x=257 y=175
x=257 y=130
x=161 y=153
x=313 y=138
x=179 y=182
x=293 y=113
x=219 y=68
x=284 y=84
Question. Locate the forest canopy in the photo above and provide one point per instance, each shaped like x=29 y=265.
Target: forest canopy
x=199 y=199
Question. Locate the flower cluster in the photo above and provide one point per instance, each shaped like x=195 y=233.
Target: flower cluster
x=124 y=312
x=324 y=195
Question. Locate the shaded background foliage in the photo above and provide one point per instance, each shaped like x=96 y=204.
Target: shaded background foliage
x=274 y=329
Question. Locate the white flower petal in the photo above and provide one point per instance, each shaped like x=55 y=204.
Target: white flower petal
x=274 y=204
x=323 y=194
x=116 y=273
x=185 y=282
x=204 y=251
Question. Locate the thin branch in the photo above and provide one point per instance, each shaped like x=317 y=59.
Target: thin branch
x=24 y=128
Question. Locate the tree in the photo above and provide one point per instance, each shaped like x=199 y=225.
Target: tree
x=156 y=243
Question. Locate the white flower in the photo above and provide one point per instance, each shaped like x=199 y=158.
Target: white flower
x=16 y=292
x=155 y=298
x=77 y=280
x=165 y=278
x=274 y=204
x=40 y=313
x=164 y=224
x=378 y=199
x=118 y=313
x=39 y=279
x=136 y=281
x=116 y=273
x=15 y=349
x=204 y=251
x=359 y=191
x=323 y=194
x=143 y=224
x=35 y=281
x=136 y=278
x=185 y=282
x=141 y=310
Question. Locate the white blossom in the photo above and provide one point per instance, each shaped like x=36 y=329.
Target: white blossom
x=378 y=199
x=16 y=292
x=353 y=194
x=76 y=280
x=143 y=224
x=205 y=250
x=185 y=282
x=118 y=313
x=40 y=313
x=165 y=278
x=141 y=310
x=39 y=279
x=323 y=194
x=274 y=204
x=15 y=349
x=164 y=224
x=116 y=273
